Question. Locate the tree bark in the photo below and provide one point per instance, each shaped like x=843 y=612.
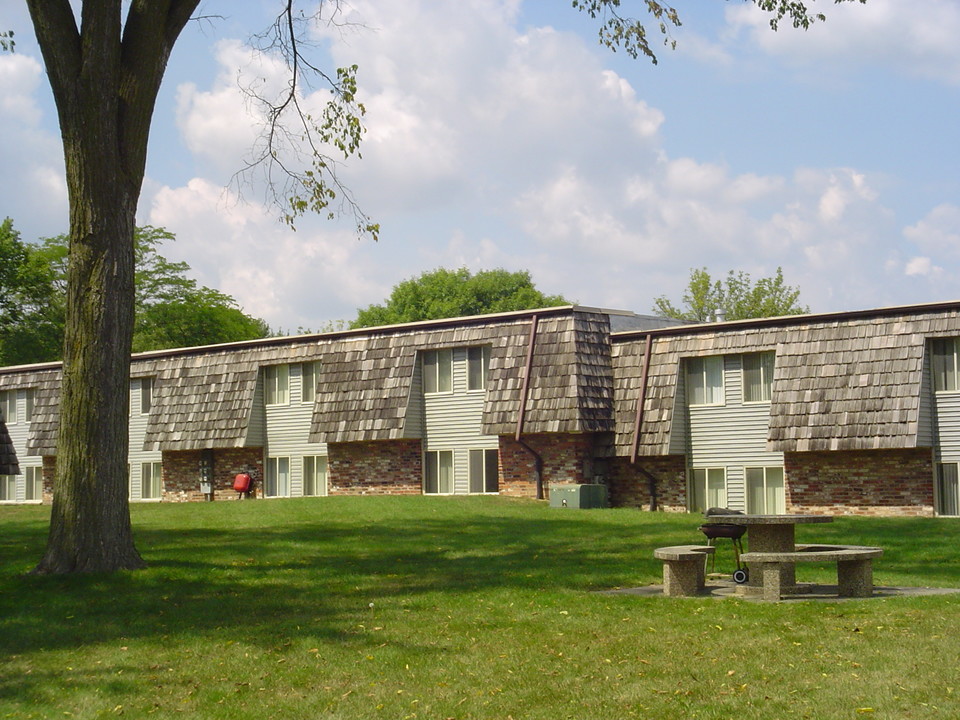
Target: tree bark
x=105 y=87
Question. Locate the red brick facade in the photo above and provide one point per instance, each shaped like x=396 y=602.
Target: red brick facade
x=628 y=487
x=393 y=467
x=864 y=482
x=181 y=473
x=567 y=458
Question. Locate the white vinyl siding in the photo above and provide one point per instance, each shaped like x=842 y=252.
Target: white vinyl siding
x=277 y=481
x=438 y=472
x=276 y=383
x=706 y=488
x=948 y=489
x=758 y=377
x=484 y=471
x=765 y=491
x=731 y=435
x=437 y=371
x=286 y=431
x=136 y=455
x=705 y=380
x=453 y=421
x=314 y=475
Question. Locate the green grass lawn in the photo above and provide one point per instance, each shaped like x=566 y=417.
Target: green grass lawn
x=478 y=607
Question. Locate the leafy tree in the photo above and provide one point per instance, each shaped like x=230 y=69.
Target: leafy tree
x=737 y=297
x=455 y=293
x=105 y=74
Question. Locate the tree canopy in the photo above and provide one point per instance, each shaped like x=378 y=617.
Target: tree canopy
x=445 y=293
x=736 y=297
x=172 y=310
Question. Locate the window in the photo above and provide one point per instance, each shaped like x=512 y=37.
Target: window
x=765 y=495
x=478 y=362
x=28 y=406
x=315 y=475
x=948 y=497
x=8 y=488
x=8 y=406
x=758 y=377
x=276 y=383
x=705 y=380
x=438 y=473
x=146 y=395
x=708 y=488
x=278 y=477
x=34 y=483
x=484 y=472
x=151 y=480
x=944 y=355
x=308 y=381
x=438 y=371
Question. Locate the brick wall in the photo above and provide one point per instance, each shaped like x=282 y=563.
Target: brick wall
x=628 y=487
x=867 y=482
x=567 y=458
x=181 y=473
x=391 y=467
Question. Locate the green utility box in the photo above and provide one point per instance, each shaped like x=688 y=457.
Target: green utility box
x=583 y=497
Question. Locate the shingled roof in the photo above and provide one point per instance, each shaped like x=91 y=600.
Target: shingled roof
x=8 y=455
x=842 y=381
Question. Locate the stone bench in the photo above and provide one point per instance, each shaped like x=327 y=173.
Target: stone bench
x=854 y=567
x=683 y=568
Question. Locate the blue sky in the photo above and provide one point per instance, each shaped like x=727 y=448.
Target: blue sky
x=500 y=134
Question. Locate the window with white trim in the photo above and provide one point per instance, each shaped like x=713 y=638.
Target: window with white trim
x=8 y=406
x=478 y=363
x=33 y=490
x=151 y=480
x=146 y=395
x=438 y=371
x=758 y=377
x=707 y=488
x=484 y=471
x=308 y=381
x=315 y=475
x=944 y=352
x=277 y=479
x=276 y=385
x=438 y=472
x=948 y=489
x=8 y=488
x=705 y=380
x=765 y=491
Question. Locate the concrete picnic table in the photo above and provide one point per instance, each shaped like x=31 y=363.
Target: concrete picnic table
x=771 y=533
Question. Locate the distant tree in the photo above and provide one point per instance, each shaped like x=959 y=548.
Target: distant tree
x=736 y=297
x=456 y=293
x=7 y=43
x=171 y=309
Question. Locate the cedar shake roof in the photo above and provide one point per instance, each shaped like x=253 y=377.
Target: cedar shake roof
x=843 y=381
x=204 y=397
x=8 y=456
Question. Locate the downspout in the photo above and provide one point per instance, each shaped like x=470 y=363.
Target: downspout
x=638 y=423
x=522 y=414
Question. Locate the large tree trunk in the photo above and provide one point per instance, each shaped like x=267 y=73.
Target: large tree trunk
x=105 y=86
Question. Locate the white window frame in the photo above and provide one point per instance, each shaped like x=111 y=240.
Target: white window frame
x=484 y=471
x=772 y=474
x=438 y=472
x=315 y=475
x=948 y=489
x=8 y=488
x=33 y=484
x=706 y=497
x=437 y=371
x=764 y=362
x=478 y=365
x=152 y=488
x=309 y=374
x=701 y=372
x=945 y=364
x=8 y=406
x=276 y=481
x=276 y=385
